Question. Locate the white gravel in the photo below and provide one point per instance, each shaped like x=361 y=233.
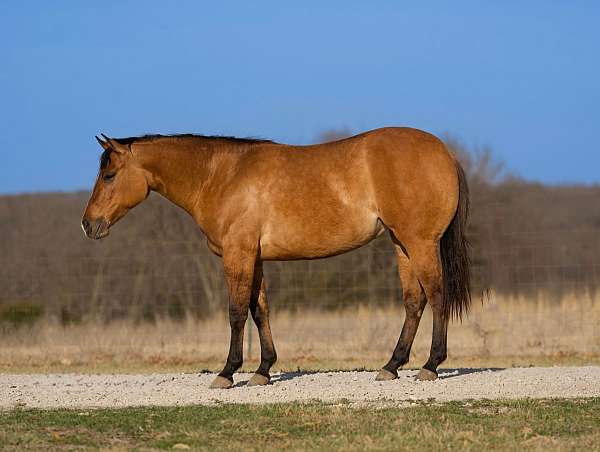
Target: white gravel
x=86 y=391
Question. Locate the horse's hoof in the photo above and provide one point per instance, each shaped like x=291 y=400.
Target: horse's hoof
x=385 y=375
x=258 y=380
x=426 y=375
x=221 y=383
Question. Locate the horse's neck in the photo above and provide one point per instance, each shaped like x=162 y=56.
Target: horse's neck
x=184 y=175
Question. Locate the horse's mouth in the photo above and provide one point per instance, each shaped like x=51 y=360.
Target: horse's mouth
x=95 y=229
x=101 y=234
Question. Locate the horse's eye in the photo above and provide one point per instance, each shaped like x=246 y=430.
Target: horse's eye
x=108 y=177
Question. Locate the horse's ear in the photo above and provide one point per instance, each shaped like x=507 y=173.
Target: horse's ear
x=105 y=145
x=114 y=145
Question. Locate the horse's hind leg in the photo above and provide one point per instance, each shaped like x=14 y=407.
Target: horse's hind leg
x=239 y=265
x=414 y=301
x=425 y=258
x=259 y=308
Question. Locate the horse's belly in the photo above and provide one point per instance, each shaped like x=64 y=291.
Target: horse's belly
x=317 y=237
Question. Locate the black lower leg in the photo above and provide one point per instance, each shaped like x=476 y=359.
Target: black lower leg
x=409 y=329
x=438 y=351
x=235 y=357
x=268 y=355
x=259 y=308
x=266 y=362
x=400 y=355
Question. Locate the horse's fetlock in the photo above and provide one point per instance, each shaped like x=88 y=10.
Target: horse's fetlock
x=235 y=365
x=439 y=357
x=271 y=359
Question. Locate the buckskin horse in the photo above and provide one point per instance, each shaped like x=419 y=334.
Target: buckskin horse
x=257 y=200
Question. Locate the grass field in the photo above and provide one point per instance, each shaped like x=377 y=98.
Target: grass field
x=476 y=425
x=503 y=332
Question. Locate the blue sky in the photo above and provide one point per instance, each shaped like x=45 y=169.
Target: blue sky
x=521 y=77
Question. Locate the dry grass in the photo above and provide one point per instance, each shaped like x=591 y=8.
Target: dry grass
x=503 y=332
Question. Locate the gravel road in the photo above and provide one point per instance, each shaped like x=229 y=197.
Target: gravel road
x=86 y=391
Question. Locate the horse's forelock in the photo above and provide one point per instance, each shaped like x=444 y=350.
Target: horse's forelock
x=105 y=158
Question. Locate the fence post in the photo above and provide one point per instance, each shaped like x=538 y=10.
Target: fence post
x=370 y=270
x=249 y=340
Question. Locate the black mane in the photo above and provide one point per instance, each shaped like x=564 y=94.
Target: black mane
x=131 y=140
x=105 y=157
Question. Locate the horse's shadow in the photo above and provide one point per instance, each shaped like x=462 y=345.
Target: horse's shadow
x=285 y=376
x=444 y=374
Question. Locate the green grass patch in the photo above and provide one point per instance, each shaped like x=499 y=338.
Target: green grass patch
x=476 y=425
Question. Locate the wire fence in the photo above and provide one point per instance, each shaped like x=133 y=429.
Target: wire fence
x=177 y=279
x=156 y=263
x=153 y=291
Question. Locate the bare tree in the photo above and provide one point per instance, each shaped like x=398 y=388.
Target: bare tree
x=333 y=135
x=479 y=163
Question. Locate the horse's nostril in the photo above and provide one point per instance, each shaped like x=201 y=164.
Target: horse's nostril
x=85 y=225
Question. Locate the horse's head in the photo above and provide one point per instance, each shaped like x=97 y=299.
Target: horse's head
x=121 y=185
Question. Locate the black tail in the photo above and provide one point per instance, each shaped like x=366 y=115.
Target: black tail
x=454 y=249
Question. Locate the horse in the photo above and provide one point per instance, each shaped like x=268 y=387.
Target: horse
x=258 y=200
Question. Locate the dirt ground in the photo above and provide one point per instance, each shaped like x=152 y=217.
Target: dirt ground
x=121 y=390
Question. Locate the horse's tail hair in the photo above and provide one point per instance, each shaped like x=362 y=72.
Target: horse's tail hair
x=454 y=250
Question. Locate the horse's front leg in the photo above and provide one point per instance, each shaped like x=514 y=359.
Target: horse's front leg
x=259 y=308
x=239 y=265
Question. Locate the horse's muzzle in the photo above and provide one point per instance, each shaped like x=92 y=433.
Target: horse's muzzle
x=95 y=229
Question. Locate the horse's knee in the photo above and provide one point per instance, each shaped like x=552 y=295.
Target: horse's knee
x=237 y=317
x=414 y=305
x=260 y=316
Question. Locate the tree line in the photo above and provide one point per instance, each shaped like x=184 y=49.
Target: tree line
x=526 y=238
